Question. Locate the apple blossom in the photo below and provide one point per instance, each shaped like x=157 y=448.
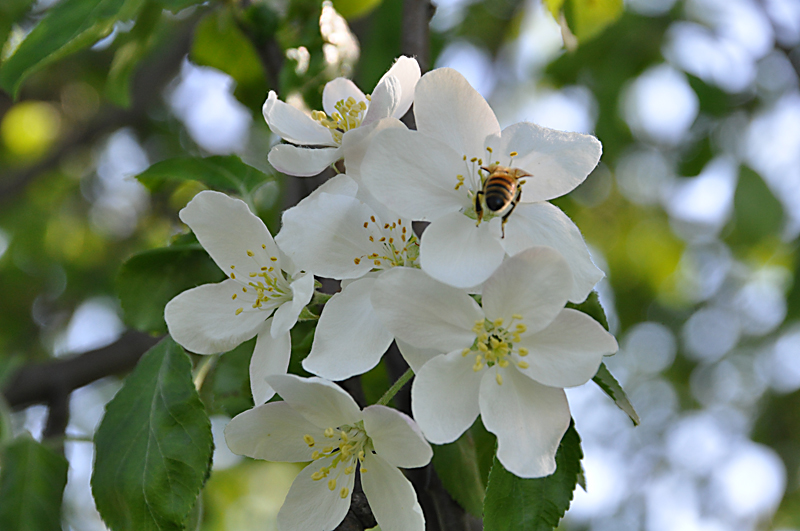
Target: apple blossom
x=507 y=359
x=434 y=174
x=262 y=296
x=336 y=235
x=321 y=423
x=347 y=121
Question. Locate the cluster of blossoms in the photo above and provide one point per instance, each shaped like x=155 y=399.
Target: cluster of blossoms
x=476 y=304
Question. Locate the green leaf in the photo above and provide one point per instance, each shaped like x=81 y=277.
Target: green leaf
x=231 y=384
x=148 y=280
x=613 y=389
x=32 y=481
x=10 y=13
x=227 y=174
x=153 y=447
x=757 y=212
x=516 y=504
x=458 y=468
x=554 y=6
x=69 y=26
x=587 y=18
x=592 y=307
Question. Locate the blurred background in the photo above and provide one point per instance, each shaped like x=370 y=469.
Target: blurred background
x=693 y=213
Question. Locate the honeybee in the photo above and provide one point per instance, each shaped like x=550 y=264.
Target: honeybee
x=501 y=190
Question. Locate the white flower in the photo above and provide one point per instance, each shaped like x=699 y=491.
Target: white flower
x=258 y=298
x=319 y=422
x=507 y=359
x=341 y=130
x=434 y=173
x=336 y=235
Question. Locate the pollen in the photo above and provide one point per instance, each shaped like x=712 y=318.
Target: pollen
x=523 y=351
x=513 y=154
x=309 y=440
x=239 y=310
x=366 y=224
x=328 y=432
x=264 y=246
x=332 y=484
x=523 y=365
x=516 y=317
x=233 y=297
x=250 y=253
x=357 y=260
x=498 y=322
x=348 y=470
x=343 y=493
x=233 y=276
x=273 y=258
x=499 y=378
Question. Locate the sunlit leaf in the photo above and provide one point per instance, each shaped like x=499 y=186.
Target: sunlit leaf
x=226 y=174
x=32 y=481
x=587 y=18
x=757 y=212
x=514 y=504
x=153 y=446
x=593 y=308
x=148 y=280
x=613 y=389
x=69 y=26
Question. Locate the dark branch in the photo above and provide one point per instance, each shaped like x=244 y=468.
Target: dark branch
x=51 y=382
x=416 y=31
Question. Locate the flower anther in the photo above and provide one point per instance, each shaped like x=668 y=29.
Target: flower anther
x=348 y=116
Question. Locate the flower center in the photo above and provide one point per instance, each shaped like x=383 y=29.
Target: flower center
x=348 y=115
x=477 y=174
x=345 y=445
x=395 y=245
x=494 y=345
x=264 y=285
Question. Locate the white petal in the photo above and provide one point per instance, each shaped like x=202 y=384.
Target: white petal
x=447 y=108
x=271 y=356
x=535 y=224
x=454 y=251
x=302 y=161
x=396 y=437
x=557 y=161
x=423 y=312
x=534 y=284
x=529 y=420
x=416 y=357
x=286 y=316
x=311 y=506
x=391 y=496
x=204 y=321
x=349 y=339
x=273 y=432
x=227 y=230
x=356 y=141
x=293 y=125
x=569 y=351
x=327 y=235
x=385 y=99
x=444 y=397
x=323 y=403
x=337 y=90
x=413 y=175
x=406 y=70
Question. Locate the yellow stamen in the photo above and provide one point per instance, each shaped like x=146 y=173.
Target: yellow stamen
x=499 y=378
x=344 y=492
x=239 y=310
x=309 y=440
x=523 y=365
x=332 y=484
x=523 y=351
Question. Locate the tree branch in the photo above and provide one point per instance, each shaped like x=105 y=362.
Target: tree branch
x=416 y=31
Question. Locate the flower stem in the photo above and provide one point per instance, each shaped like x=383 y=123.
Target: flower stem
x=202 y=370
x=389 y=394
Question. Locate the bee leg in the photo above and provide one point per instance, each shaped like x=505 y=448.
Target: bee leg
x=478 y=207
x=510 y=210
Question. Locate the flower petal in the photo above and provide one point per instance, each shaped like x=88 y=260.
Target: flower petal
x=337 y=90
x=529 y=420
x=534 y=284
x=384 y=100
x=356 y=141
x=569 y=351
x=407 y=72
x=416 y=357
x=204 y=321
x=454 y=251
x=535 y=224
x=273 y=432
x=557 y=161
x=447 y=108
x=302 y=161
x=323 y=403
x=286 y=315
x=396 y=437
x=271 y=356
x=311 y=506
x=293 y=125
x=327 y=235
x=412 y=174
x=391 y=496
x=350 y=339
x=444 y=397
x=227 y=230
x=423 y=312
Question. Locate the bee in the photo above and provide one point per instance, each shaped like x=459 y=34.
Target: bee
x=501 y=191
